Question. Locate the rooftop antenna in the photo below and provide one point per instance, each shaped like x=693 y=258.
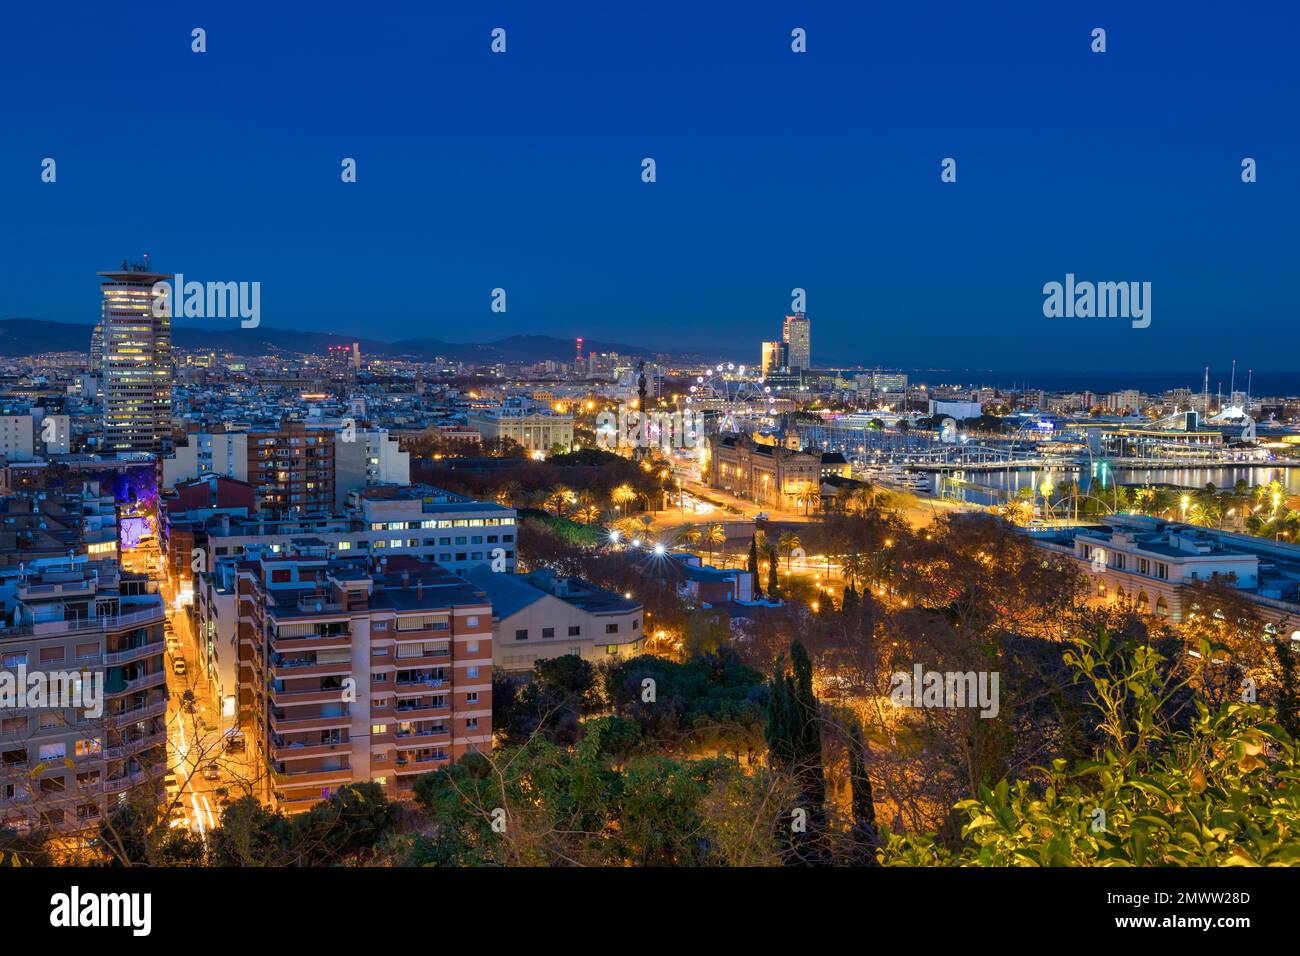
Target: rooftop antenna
x=1232 y=388
x=146 y=262
x=1250 y=375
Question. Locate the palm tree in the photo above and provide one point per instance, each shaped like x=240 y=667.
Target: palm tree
x=509 y=493
x=812 y=499
x=622 y=496
x=587 y=513
x=787 y=543
x=558 y=497
x=714 y=534
x=689 y=535
x=854 y=567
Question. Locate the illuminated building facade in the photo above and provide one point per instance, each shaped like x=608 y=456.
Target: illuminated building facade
x=135 y=345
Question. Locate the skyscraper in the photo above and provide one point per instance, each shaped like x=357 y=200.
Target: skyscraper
x=137 y=362
x=797 y=335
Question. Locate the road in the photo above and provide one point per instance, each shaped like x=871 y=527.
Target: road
x=195 y=740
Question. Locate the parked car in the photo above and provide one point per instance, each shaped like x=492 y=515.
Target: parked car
x=211 y=771
x=235 y=743
x=171 y=785
x=178 y=665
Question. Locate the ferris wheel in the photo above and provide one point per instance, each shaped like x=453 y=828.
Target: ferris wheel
x=733 y=392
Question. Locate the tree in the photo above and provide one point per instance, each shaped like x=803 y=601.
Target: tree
x=773 y=585
x=794 y=743
x=622 y=496
x=715 y=535
x=865 y=837
x=752 y=566
x=1288 y=693
x=1225 y=790
x=788 y=542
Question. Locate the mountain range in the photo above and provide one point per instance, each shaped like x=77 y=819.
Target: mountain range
x=23 y=337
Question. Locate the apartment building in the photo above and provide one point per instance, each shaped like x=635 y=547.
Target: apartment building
x=543 y=615
x=1154 y=565
x=415 y=520
x=52 y=524
x=355 y=669
x=294 y=467
x=81 y=623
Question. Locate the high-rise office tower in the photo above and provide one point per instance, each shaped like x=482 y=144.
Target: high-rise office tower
x=137 y=362
x=797 y=335
x=775 y=357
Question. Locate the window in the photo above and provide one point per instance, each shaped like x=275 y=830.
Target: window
x=548 y=632
x=611 y=648
x=611 y=628
x=51 y=655
x=575 y=630
x=377 y=729
x=471 y=672
x=471 y=697
x=378 y=677
x=471 y=723
x=471 y=621
x=86 y=748
x=471 y=646
x=86 y=652
x=636 y=625
x=521 y=634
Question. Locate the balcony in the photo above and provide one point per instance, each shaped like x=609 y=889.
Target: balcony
x=281 y=750
x=156 y=679
x=311 y=778
x=134 y=653
x=137 y=714
x=423 y=710
x=305 y=667
x=315 y=641
x=318 y=695
x=426 y=764
x=421 y=685
x=118 y=784
x=281 y=724
x=106 y=622
x=132 y=746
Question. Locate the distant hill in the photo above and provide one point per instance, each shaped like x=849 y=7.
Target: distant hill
x=22 y=337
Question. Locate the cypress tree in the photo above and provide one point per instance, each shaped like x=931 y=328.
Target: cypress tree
x=1288 y=690
x=773 y=586
x=850 y=598
x=794 y=741
x=865 y=835
x=753 y=566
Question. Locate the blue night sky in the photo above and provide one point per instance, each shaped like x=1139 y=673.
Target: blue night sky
x=775 y=170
